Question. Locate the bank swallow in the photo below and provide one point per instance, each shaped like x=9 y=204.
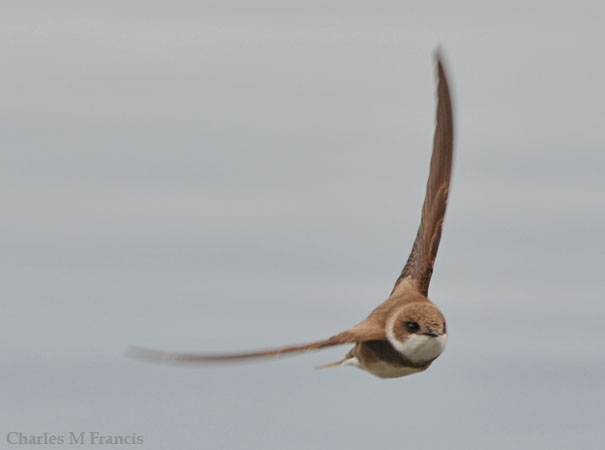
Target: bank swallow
x=407 y=332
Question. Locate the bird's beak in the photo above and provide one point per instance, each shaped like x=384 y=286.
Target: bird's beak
x=432 y=333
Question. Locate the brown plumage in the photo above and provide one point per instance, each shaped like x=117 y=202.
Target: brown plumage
x=346 y=337
x=407 y=332
x=419 y=266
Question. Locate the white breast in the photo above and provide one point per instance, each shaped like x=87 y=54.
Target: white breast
x=419 y=348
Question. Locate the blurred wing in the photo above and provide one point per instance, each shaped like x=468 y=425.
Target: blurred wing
x=419 y=267
x=356 y=334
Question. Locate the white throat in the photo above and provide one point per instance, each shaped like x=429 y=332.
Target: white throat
x=418 y=348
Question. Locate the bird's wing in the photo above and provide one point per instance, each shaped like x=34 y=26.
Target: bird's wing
x=419 y=267
x=359 y=333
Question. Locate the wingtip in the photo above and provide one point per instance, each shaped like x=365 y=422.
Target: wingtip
x=438 y=54
x=148 y=354
x=441 y=71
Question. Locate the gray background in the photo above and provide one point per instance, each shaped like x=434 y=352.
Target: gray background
x=201 y=177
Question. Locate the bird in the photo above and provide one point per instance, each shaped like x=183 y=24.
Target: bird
x=407 y=332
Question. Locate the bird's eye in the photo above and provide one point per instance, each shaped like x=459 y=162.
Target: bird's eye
x=412 y=326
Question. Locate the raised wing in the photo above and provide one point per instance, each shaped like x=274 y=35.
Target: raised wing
x=419 y=267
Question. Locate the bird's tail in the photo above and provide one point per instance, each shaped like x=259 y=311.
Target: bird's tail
x=347 y=361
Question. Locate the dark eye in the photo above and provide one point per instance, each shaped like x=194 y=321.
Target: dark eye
x=412 y=326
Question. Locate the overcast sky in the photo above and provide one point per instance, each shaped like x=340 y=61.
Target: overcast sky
x=199 y=176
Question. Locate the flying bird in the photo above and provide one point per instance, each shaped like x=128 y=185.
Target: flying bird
x=407 y=332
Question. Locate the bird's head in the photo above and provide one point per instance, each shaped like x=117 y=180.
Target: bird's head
x=417 y=331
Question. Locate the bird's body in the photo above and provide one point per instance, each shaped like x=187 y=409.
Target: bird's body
x=402 y=352
x=405 y=333
x=378 y=364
